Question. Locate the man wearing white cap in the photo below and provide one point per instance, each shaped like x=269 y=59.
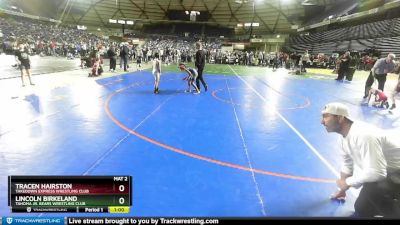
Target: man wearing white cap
x=371 y=160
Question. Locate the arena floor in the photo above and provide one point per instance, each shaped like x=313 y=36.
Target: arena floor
x=252 y=146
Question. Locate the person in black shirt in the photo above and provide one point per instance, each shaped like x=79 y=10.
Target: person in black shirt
x=24 y=63
x=124 y=54
x=113 y=58
x=200 y=63
x=344 y=66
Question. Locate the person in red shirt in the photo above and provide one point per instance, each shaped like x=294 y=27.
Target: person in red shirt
x=381 y=100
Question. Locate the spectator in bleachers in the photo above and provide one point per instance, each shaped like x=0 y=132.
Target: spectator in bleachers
x=380 y=70
x=47 y=38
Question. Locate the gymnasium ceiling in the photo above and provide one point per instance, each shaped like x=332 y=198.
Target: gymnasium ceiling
x=273 y=16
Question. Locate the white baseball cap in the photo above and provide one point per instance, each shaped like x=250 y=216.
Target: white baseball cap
x=337 y=108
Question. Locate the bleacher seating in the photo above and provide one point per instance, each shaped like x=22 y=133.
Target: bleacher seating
x=382 y=35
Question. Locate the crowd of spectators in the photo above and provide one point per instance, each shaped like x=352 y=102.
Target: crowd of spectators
x=175 y=49
x=50 y=39
x=45 y=38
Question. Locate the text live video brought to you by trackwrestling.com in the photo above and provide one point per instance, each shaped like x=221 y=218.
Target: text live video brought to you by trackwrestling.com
x=33 y=199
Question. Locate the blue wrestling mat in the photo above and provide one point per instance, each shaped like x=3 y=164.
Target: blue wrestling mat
x=252 y=146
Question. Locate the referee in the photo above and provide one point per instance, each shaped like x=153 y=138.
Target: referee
x=200 y=63
x=380 y=70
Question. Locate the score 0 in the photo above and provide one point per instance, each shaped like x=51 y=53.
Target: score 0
x=125 y=180
x=123 y=186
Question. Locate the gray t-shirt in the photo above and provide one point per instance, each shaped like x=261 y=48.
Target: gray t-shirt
x=382 y=67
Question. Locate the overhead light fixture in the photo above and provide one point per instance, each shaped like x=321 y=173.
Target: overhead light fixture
x=307 y=2
x=240 y=25
x=112 y=21
x=241 y=1
x=121 y=21
x=192 y=12
x=81 y=27
x=130 y=22
x=192 y=15
x=251 y=24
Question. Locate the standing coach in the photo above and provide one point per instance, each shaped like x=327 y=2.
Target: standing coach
x=200 y=63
